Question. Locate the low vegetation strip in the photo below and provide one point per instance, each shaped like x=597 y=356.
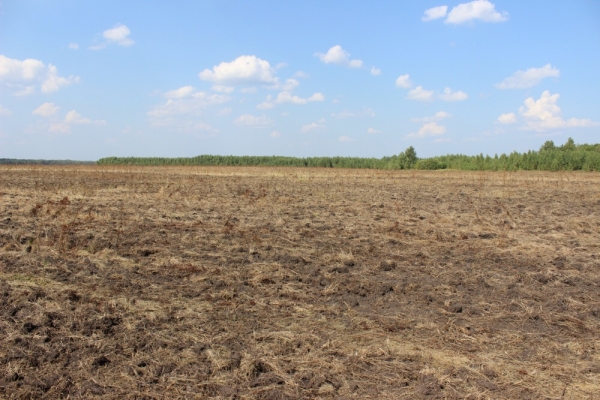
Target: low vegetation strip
x=16 y=161
x=569 y=157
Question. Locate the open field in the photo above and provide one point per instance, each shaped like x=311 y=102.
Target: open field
x=216 y=282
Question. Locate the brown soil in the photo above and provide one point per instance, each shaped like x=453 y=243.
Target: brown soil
x=264 y=283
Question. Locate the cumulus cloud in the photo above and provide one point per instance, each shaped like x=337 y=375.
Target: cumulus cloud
x=366 y=112
x=24 y=76
x=251 y=120
x=375 y=71
x=185 y=100
x=287 y=98
x=420 y=94
x=313 y=126
x=74 y=118
x=506 y=119
x=73 y=46
x=343 y=114
x=275 y=134
x=182 y=92
x=436 y=117
x=337 y=55
x=288 y=86
x=373 y=131
x=118 y=35
x=4 y=112
x=222 y=89
x=434 y=13
x=428 y=129
x=242 y=70
x=449 y=95
x=224 y=112
x=344 y=139
x=301 y=74
x=46 y=110
x=476 y=10
x=528 y=78
x=544 y=114
x=403 y=82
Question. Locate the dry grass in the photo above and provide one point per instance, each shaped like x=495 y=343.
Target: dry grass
x=157 y=283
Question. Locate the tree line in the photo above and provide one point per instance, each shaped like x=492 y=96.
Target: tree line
x=568 y=157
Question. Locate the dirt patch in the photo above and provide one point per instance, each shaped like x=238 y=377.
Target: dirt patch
x=120 y=282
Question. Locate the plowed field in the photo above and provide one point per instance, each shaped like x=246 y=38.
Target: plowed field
x=266 y=283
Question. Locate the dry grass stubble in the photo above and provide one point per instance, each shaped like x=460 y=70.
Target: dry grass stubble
x=120 y=282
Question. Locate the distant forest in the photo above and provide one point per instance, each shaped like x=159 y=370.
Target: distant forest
x=568 y=157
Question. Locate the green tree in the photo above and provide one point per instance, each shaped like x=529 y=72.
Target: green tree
x=410 y=157
x=549 y=145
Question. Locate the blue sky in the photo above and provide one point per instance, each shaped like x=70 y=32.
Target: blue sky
x=90 y=79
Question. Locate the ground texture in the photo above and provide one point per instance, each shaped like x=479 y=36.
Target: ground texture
x=263 y=283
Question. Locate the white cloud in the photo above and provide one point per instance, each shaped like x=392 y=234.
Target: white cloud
x=251 y=120
x=72 y=118
x=267 y=104
x=375 y=71
x=23 y=90
x=73 y=46
x=275 y=134
x=428 y=129
x=224 y=112
x=184 y=101
x=337 y=55
x=53 y=82
x=24 y=76
x=344 y=139
x=420 y=94
x=506 y=119
x=242 y=70
x=180 y=93
x=544 y=114
x=4 y=112
x=287 y=97
x=288 y=86
x=372 y=131
x=449 y=95
x=529 y=78
x=366 y=112
x=46 y=110
x=317 y=97
x=249 y=90
x=223 y=88
x=479 y=9
x=403 y=82
x=312 y=126
x=343 y=114
x=119 y=34
x=281 y=65
x=436 y=117
x=434 y=13
x=301 y=74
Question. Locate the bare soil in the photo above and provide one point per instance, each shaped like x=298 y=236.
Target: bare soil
x=266 y=283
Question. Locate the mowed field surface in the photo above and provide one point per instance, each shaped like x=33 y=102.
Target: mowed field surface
x=275 y=283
